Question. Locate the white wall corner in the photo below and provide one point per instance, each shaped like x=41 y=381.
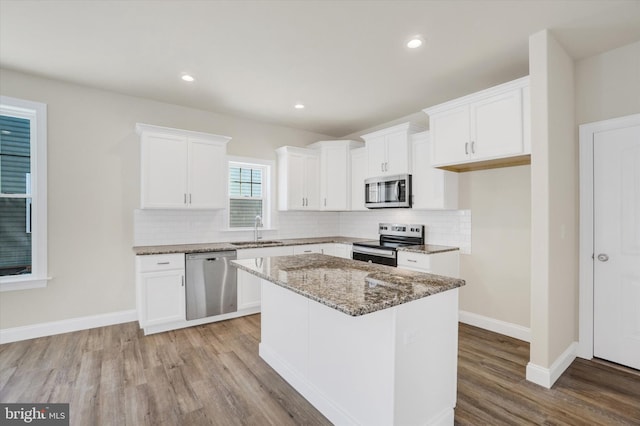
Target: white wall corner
x=497 y=326
x=16 y=334
x=546 y=377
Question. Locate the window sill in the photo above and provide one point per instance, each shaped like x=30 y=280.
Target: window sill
x=22 y=283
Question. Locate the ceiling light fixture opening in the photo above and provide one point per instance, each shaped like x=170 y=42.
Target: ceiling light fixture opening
x=299 y=106
x=415 y=42
x=188 y=78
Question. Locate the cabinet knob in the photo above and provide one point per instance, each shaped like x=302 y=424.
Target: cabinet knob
x=603 y=257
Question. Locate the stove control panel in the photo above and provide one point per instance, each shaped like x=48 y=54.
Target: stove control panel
x=403 y=230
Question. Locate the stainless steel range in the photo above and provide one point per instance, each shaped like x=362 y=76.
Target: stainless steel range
x=392 y=236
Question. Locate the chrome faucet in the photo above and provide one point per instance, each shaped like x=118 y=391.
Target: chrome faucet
x=256 y=233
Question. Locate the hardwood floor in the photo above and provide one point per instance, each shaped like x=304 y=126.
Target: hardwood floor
x=212 y=375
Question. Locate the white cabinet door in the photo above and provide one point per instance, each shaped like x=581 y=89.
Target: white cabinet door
x=496 y=126
x=334 y=178
x=431 y=188
x=163 y=297
x=207 y=175
x=164 y=160
x=451 y=133
x=295 y=181
x=358 y=175
x=312 y=182
x=377 y=156
x=397 y=153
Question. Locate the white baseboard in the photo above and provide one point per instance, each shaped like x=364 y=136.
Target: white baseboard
x=497 y=326
x=546 y=377
x=16 y=334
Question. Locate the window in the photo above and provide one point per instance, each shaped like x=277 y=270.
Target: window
x=23 y=194
x=248 y=193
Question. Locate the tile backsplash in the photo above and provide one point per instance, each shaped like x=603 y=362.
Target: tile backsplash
x=157 y=227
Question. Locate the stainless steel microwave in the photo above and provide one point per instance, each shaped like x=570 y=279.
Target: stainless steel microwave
x=387 y=191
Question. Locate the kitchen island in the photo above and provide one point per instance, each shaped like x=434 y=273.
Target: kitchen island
x=365 y=344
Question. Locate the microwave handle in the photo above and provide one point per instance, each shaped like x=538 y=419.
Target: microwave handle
x=398 y=190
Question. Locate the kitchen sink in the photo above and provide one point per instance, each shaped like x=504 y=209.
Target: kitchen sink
x=256 y=243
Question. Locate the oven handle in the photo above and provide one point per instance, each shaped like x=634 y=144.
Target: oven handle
x=377 y=252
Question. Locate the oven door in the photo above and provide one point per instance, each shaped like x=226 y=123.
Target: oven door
x=375 y=255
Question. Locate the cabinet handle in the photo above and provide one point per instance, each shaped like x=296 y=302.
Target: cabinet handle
x=163 y=263
x=325 y=202
x=473 y=149
x=412 y=261
x=185 y=198
x=189 y=198
x=386 y=167
x=183 y=281
x=382 y=167
x=466 y=148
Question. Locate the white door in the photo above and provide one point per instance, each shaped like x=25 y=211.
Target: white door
x=164 y=171
x=616 y=328
x=312 y=182
x=358 y=175
x=335 y=178
x=450 y=136
x=295 y=181
x=496 y=126
x=377 y=156
x=207 y=181
x=397 y=154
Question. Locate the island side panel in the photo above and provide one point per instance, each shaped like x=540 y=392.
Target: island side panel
x=285 y=329
x=351 y=362
x=426 y=360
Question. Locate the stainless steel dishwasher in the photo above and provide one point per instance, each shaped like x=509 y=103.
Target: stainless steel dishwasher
x=211 y=284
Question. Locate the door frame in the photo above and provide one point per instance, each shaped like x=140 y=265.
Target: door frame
x=586 y=253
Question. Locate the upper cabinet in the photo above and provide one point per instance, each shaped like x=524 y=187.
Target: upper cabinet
x=181 y=169
x=335 y=173
x=484 y=130
x=359 y=172
x=298 y=178
x=432 y=188
x=389 y=150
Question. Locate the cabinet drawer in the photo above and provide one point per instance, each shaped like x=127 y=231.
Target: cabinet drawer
x=309 y=248
x=414 y=261
x=160 y=262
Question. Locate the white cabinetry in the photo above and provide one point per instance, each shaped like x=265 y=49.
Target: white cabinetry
x=432 y=188
x=389 y=150
x=444 y=263
x=338 y=250
x=298 y=178
x=249 y=294
x=359 y=172
x=482 y=130
x=335 y=173
x=160 y=289
x=181 y=169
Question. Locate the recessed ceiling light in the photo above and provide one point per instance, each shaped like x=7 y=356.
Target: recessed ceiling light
x=299 y=106
x=5 y=132
x=415 y=42
x=188 y=78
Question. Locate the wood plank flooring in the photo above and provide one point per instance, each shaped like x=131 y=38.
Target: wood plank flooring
x=212 y=375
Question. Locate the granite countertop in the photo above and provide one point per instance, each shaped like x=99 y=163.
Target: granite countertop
x=240 y=245
x=349 y=286
x=428 y=249
x=227 y=246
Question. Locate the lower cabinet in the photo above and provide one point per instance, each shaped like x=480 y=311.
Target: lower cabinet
x=249 y=291
x=160 y=286
x=444 y=263
x=331 y=249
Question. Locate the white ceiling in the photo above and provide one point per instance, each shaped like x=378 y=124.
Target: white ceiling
x=345 y=60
